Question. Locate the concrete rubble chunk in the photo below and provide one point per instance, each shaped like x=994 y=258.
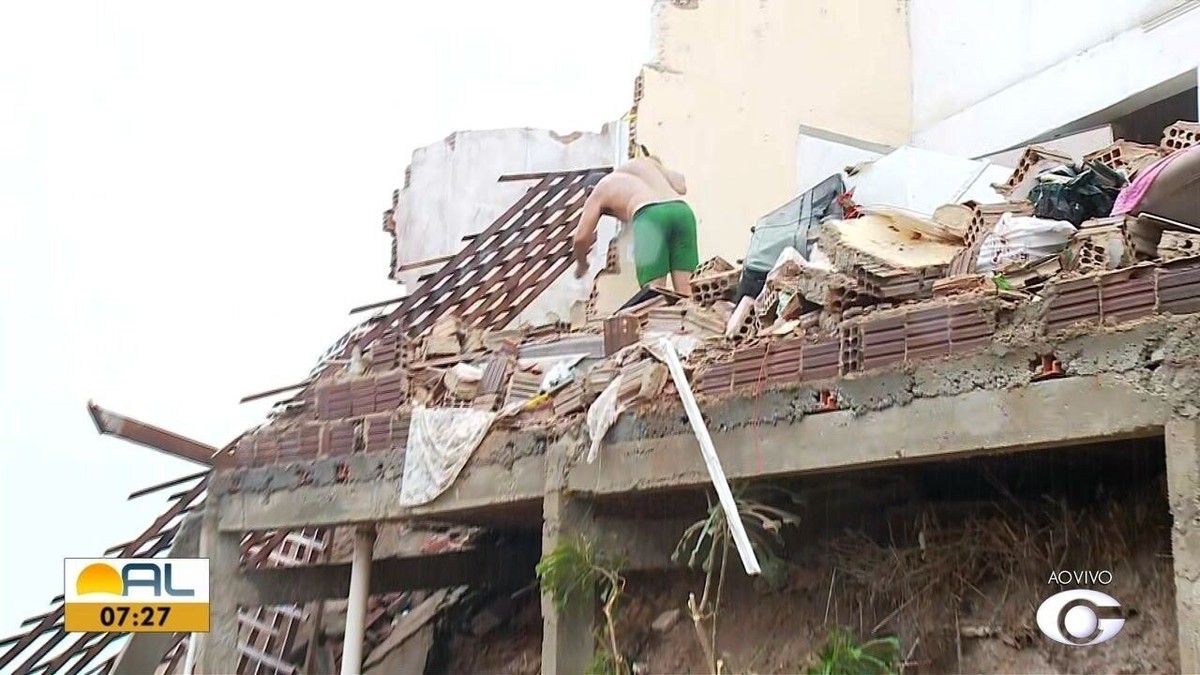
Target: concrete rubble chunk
x=1175 y=245
x=443 y=339
x=743 y=323
x=1035 y=160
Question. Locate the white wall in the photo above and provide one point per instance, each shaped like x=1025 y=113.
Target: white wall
x=963 y=51
x=1090 y=87
x=819 y=156
x=453 y=191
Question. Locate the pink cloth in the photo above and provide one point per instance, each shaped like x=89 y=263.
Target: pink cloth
x=1132 y=194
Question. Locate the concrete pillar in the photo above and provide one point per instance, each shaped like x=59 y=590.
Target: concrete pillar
x=567 y=635
x=218 y=650
x=356 y=603
x=1183 y=492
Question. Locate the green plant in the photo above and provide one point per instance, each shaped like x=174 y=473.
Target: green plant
x=707 y=537
x=602 y=662
x=574 y=570
x=843 y=655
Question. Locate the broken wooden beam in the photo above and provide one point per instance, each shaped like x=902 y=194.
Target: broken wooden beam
x=376 y=305
x=538 y=175
x=418 y=264
x=277 y=390
x=127 y=428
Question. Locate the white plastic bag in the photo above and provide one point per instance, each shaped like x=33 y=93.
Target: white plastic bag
x=602 y=414
x=561 y=373
x=1022 y=238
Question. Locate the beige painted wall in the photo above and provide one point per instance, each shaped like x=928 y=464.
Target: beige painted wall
x=733 y=80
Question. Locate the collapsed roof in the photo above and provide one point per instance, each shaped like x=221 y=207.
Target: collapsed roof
x=874 y=303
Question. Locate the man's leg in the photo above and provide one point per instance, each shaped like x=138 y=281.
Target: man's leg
x=650 y=252
x=682 y=283
x=685 y=256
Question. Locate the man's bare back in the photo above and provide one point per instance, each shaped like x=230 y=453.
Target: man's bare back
x=633 y=185
x=638 y=184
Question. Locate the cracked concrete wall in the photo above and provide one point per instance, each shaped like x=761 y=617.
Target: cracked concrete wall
x=732 y=82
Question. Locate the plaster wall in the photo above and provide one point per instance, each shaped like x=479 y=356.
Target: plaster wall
x=1049 y=70
x=964 y=52
x=731 y=83
x=451 y=191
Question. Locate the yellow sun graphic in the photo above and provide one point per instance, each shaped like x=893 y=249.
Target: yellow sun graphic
x=99 y=578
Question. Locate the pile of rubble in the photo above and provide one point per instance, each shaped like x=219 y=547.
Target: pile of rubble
x=881 y=285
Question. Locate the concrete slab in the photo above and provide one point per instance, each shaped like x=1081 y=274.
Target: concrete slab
x=1060 y=412
x=481 y=489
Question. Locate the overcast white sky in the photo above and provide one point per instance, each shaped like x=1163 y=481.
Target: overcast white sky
x=190 y=199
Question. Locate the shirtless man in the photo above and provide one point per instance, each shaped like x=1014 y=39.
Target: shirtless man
x=648 y=196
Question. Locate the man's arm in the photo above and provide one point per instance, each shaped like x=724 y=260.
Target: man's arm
x=676 y=180
x=585 y=233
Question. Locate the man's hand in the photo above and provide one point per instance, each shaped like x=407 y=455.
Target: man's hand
x=582 y=245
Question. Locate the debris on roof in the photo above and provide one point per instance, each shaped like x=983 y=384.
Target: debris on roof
x=900 y=285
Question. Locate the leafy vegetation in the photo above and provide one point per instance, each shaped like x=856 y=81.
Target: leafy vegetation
x=843 y=655
x=706 y=544
x=574 y=571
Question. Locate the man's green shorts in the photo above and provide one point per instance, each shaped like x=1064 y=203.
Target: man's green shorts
x=664 y=240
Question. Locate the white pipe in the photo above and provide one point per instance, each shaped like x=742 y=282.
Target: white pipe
x=711 y=461
x=189 y=657
x=356 y=605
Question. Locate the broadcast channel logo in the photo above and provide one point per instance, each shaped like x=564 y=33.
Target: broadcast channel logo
x=1080 y=617
x=136 y=595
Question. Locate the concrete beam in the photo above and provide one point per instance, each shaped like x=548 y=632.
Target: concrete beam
x=299 y=585
x=480 y=490
x=1053 y=413
x=1183 y=493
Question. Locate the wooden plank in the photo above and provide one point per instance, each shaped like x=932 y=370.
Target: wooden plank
x=277 y=390
x=115 y=424
x=169 y=484
x=426 y=263
x=509 y=177
x=376 y=305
